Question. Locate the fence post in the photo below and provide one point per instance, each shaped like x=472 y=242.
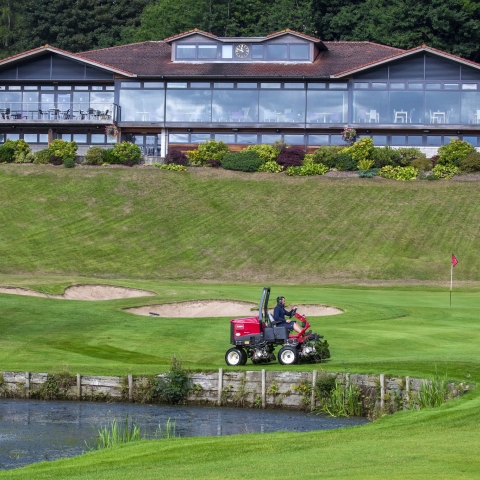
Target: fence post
x=314 y=383
x=79 y=386
x=130 y=387
x=264 y=388
x=27 y=384
x=382 y=391
x=220 y=386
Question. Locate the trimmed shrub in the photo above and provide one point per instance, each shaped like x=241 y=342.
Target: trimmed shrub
x=365 y=164
x=94 y=156
x=399 y=173
x=243 y=161
x=42 y=157
x=373 y=172
x=471 y=163
x=422 y=164
x=327 y=155
x=291 y=157
x=445 y=171
x=171 y=166
x=62 y=149
x=108 y=156
x=69 y=163
x=453 y=152
x=126 y=153
x=307 y=170
x=346 y=163
x=383 y=156
x=22 y=157
x=308 y=159
x=270 y=167
x=7 y=152
x=408 y=155
x=176 y=157
x=210 y=150
x=361 y=150
x=267 y=153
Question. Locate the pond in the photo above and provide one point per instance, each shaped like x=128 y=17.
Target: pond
x=33 y=430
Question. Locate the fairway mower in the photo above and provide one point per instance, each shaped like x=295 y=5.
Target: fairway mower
x=257 y=337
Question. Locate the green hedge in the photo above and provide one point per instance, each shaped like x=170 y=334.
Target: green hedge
x=244 y=161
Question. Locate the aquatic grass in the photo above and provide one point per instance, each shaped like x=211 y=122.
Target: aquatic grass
x=433 y=392
x=342 y=401
x=169 y=432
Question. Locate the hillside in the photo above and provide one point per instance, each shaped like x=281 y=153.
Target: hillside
x=214 y=225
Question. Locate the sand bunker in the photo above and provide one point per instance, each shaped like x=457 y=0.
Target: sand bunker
x=84 y=292
x=220 y=308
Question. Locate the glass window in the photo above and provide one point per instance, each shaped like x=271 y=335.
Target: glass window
x=207 y=51
x=200 y=85
x=442 y=107
x=434 y=140
x=360 y=85
x=235 y=106
x=127 y=85
x=289 y=107
x=270 y=138
x=277 y=52
x=186 y=51
x=250 y=138
x=294 y=85
x=225 y=137
x=472 y=140
x=399 y=86
x=30 y=105
x=30 y=137
x=80 y=137
x=294 y=139
x=66 y=137
x=178 y=137
x=270 y=85
x=199 y=137
x=327 y=106
x=406 y=107
x=13 y=136
x=43 y=138
x=299 y=52
x=47 y=87
x=189 y=105
x=227 y=51
x=341 y=86
x=399 y=140
x=97 y=138
x=337 y=140
x=379 y=85
x=469 y=86
x=451 y=86
x=11 y=100
x=153 y=85
x=14 y=87
x=177 y=85
x=433 y=86
x=65 y=87
x=2 y=88
x=141 y=105
x=379 y=140
x=138 y=139
x=317 y=85
x=94 y=87
x=247 y=85
x=257 y=51
x=109 y=87
x=415 y=141
x=30 y=87
x=370 y=107
x=415 y=86
x=83 y=87
x=318 y=140
x=223 y=85
x=470 y=107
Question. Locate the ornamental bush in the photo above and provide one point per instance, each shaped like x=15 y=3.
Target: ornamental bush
x=399 y=173
x=445 y=171
x=126 y=153
x=327 y=155
x=270 y=167
x=267 y=153
x=62 y=149
x=7 y=152
x=345 y=162
x=471 y=163
x=410 y=154
x=108 y=156
x=422 y=164
x=171 y=166
x=94 y=156
x=307 y=170
x=361 y=150
x=291 y=157
x=452 y=153
x=244 y=161
x=69 y=162
x=42 y=156
x=383 y=156
x=209 y=150
x=176 y=157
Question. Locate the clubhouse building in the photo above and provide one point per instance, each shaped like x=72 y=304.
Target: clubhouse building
x=195 y=86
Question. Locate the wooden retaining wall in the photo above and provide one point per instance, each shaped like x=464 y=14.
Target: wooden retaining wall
x=261 y=389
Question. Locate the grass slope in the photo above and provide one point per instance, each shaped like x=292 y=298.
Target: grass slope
x=218 y=225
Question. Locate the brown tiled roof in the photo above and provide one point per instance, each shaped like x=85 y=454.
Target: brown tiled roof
x=153 y=58
x=189 y=32
x=293 y=32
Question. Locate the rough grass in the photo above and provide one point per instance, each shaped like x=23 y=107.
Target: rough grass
x=213 y=225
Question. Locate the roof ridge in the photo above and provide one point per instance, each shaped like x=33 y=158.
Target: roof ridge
x=118 y=46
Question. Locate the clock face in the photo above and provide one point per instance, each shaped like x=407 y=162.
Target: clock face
x=242 y=51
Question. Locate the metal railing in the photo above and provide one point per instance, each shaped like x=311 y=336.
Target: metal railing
x=99 y=112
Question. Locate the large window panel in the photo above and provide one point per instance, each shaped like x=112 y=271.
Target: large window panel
x=370 y=107
x=282 y=106
x=142 y=105
x=442 y=107
x=327 y=106
x=103 y=102
x=235 y=106
x=30 y=105
x=470 y=107
x=189 y=105
x=11 y=101
x=406 y=107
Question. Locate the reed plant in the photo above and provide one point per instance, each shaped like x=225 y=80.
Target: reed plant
x=433 y=392
x=342 y=401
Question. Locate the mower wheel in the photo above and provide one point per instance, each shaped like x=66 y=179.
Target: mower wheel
x=235 y=357
x=288 y=356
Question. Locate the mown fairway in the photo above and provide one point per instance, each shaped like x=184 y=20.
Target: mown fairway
x=218 y=235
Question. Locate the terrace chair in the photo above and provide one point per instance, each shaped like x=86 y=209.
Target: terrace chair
x=374 y=116
x=269 y=116
x=362 y=116
x=7 y=113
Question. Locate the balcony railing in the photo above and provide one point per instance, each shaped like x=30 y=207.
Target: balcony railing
x=70 y=112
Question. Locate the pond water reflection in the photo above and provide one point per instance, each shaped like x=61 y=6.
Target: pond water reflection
x=33 y=431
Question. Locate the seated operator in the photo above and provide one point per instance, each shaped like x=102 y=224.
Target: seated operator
x=279 y=313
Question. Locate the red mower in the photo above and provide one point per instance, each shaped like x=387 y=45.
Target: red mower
x=257 y=337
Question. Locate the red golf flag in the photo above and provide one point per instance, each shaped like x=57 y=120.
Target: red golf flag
x=454 y=260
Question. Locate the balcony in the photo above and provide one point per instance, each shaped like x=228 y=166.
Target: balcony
x=58 y=114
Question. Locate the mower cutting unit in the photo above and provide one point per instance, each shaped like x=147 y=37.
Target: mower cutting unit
x=257 y=337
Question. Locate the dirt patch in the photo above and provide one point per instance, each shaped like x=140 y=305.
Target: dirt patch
x=83 y=292
x=220 y=308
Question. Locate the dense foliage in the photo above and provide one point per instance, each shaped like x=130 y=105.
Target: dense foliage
x=244 y=161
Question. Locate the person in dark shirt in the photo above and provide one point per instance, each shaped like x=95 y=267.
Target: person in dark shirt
x=279 y=314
